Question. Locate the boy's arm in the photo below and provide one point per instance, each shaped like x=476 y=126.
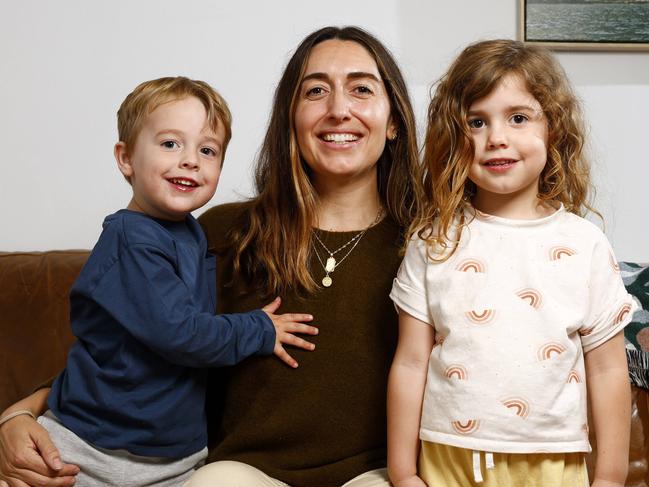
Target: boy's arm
x=406 y=385
x=27 y=454
x=143 y=291
x=610 y=398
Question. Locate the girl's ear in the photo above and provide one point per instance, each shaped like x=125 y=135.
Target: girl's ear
x=123 y=159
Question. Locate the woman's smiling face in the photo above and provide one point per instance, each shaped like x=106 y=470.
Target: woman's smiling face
x=342 y=114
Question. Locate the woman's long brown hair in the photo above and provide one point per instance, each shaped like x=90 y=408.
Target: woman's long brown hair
x=272 y=242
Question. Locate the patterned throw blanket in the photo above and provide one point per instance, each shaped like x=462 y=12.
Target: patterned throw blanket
x=636 y=333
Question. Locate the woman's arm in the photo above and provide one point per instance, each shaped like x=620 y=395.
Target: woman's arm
x=610 y=398
x=27 y=454
x=406 y=385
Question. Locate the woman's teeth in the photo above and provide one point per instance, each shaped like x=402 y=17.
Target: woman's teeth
x=339 y=138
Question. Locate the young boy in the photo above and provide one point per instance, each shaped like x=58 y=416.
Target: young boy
x=129 y=407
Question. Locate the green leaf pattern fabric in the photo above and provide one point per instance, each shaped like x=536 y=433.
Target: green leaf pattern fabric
x=636 y=280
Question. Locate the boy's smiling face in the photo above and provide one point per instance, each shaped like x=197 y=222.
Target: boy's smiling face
x=175 y=164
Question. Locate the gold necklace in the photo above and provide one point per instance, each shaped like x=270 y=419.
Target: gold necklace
x=332 y=263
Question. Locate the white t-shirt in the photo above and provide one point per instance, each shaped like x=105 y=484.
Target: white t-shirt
x=514 y=310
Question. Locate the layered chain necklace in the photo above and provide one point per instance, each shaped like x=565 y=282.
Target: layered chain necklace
x=331 y=263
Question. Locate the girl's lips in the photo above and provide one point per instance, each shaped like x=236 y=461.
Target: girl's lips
x=499 y=165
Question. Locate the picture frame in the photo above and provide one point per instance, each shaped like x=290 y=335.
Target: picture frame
x=596 y=25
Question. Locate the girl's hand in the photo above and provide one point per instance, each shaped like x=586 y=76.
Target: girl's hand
x=285 y=327
x=414 y=481
x=606 y=483
x=28 y=456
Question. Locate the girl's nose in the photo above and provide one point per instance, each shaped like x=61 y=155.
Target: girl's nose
x=496 y=137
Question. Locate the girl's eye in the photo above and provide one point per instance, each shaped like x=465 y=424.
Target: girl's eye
x=518 y=118
x=476 y=123
x=169 y=144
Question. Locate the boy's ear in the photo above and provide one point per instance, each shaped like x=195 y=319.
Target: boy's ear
x=123 y=159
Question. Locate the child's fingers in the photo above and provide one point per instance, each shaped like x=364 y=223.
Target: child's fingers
x=300 y=328
x=284 y=356
x=299 y=317
x=290 y=339
x=273 y=305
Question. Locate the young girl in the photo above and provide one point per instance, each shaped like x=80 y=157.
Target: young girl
x=510 y=303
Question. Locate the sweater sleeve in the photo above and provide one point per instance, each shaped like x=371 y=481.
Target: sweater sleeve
x=142 y=291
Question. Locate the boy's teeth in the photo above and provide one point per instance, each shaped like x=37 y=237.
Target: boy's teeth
x=182 y=182
x=340 y=137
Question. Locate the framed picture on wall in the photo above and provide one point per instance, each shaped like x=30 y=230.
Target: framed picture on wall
x=586 y=24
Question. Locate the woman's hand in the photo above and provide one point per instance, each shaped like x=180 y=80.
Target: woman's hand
x=27 y=454
x=285 y=327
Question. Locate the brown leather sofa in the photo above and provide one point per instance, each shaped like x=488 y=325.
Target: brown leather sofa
x=35 y=336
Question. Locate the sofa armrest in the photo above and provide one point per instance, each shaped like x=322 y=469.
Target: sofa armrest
x=34 y=318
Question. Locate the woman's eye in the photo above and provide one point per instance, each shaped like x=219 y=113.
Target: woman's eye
x=476 y=123
x=518 y=118
x=169 y=144
x=315 y=91
x=363 y=90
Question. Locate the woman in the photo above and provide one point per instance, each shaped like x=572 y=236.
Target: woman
x=335 y=187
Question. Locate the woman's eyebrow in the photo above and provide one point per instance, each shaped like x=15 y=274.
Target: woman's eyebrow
x=351 y=75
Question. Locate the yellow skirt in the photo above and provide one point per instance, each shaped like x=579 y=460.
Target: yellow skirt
x=448 y=466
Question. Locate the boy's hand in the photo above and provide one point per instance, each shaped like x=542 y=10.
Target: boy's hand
x=285 y=326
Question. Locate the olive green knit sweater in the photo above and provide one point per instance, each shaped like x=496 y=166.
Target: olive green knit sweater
x=324 y=422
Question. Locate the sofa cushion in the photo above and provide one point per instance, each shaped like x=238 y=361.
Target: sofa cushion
x=636 y=333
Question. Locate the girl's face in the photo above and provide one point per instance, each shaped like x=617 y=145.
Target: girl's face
x=342 y=115
x=510 y=135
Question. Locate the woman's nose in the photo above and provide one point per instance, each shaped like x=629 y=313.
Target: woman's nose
x=339 y=105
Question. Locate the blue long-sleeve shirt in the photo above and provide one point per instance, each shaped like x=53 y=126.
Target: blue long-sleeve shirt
x=143 y=312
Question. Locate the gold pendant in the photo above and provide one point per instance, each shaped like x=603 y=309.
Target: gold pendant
x=326 y=281
x=331 y=264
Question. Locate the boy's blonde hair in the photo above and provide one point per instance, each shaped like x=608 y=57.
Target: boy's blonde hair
x=449 y=149
x=149 y=95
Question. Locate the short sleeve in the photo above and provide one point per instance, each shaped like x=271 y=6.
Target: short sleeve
x=409 y=287
x=611 y=307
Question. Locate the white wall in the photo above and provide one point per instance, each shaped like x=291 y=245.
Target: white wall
x=68 y=64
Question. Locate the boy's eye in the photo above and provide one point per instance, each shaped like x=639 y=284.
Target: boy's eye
x=169 y=144
x=518 y=118
x=208 y=151
x=476 y=123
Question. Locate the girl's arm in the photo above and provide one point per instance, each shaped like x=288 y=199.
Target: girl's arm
x=406 y=385
x=27 y=454
x=610 y=398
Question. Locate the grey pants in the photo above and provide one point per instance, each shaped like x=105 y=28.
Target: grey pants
x=102 y=468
